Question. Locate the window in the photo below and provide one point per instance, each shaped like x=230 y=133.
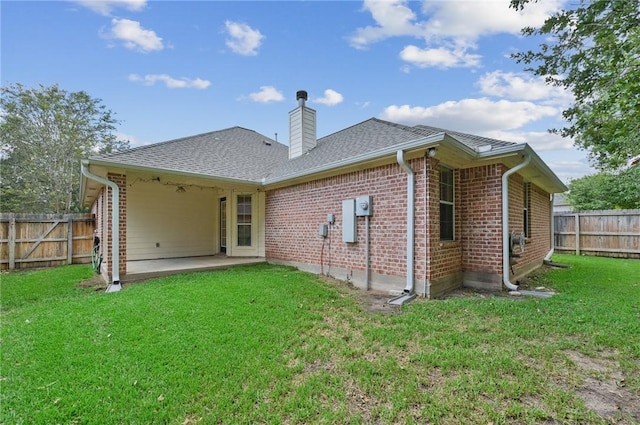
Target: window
x=447 y=224
x=526 y=210
x=244 y=220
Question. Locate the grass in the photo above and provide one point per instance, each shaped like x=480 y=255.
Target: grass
x=270 y=344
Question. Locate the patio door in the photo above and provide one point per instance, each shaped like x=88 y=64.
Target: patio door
x=223 y=225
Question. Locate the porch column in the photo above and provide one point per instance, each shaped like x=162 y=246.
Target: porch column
x=121 y=181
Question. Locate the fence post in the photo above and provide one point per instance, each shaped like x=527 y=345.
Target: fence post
x=69 y=239
x=12 y=242
x=577 y=216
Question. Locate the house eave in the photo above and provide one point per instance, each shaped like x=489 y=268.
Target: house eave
x=546 y=178
x=116 y=166
x=369 y=157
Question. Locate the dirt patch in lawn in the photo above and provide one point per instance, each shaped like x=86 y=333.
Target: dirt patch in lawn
x=603 y=387
x=95 y=282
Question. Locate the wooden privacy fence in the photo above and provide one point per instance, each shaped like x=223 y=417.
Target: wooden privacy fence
x=45 y=240
x=607 y=233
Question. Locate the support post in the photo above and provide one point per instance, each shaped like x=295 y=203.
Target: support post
x=69 y=239
x=12 y=242
x=577 y=216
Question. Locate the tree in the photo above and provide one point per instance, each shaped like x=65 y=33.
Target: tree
x=593 y=50
x=44 y=134
x=605 y=191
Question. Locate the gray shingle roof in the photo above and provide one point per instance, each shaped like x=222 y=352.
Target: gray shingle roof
x=369 y=136
x=239 y=153
x=233 y=153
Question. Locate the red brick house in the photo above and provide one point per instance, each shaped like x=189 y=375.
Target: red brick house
x=445 y=209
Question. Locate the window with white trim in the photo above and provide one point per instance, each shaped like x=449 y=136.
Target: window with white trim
x=244 y=220
x=447 y=204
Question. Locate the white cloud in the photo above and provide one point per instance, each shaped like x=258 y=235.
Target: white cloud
x=512 y=85
x=449 y=29
x=331 y=98
x=244 y=39
x=170 y=82
x=267 y=94
x=134 y=36
x=439 y=57
x=104 y=7
x=477 y=116
x=393 y=18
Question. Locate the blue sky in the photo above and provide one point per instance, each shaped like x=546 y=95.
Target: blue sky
x=171 y=69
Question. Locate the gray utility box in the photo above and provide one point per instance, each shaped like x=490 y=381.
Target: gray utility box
x=349 y=229
x=364 y=206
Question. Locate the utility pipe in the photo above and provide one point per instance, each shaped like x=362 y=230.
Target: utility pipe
x=505 y=221
x=410 y=219
x=552 y=243
x=115 y=286
x=367 y=255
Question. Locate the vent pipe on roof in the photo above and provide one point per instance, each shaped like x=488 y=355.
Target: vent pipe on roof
x=302 y=127
x=301 y=97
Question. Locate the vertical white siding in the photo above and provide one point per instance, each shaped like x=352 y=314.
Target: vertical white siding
x=163 y=223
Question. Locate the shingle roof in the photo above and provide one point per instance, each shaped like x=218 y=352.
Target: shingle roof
x=470 y=140
x=369 y=136
x=233 y=153
x=239 y=153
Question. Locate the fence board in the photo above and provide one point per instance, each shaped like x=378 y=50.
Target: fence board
x=44 y=240
x=607 y=233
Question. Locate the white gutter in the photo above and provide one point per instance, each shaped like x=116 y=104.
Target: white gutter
x=115 y=286
x=505 y=221
x=410 y=219
x=552 y=242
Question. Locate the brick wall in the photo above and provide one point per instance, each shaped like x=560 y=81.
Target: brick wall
x=294 y=213
x=481 y=209
x=121 y=181
x=446 y=256
x=538 y=241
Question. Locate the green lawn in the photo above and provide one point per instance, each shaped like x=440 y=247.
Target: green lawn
x=270 y=344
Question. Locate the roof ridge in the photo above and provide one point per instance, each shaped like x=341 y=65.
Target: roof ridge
x=179 y=139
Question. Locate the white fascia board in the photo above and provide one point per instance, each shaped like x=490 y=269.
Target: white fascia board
x=424 y=142
x=172 y=172
x=535 y=160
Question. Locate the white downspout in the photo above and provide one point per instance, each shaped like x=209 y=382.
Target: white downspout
x=115 y=286
x=553 y=236
x=505 y=221
x=410 y=219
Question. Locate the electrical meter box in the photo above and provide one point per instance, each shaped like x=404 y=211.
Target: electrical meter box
x=364 y=206
x=349 y=228
x=323 y=230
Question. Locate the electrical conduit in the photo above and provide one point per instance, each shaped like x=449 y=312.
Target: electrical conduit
x=505 y=221
x=410 y=219
x=115 y=227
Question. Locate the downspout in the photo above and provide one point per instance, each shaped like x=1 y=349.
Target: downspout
x=552 y=242
x=115 y=286
x=505 y=221
x=427 y=219
x=410 y=219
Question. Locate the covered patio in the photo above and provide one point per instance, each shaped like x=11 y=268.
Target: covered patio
x=146 y=269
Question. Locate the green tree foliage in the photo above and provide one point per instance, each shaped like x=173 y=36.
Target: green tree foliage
x=605 y=191
x=44 y=133
x=593 y=50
